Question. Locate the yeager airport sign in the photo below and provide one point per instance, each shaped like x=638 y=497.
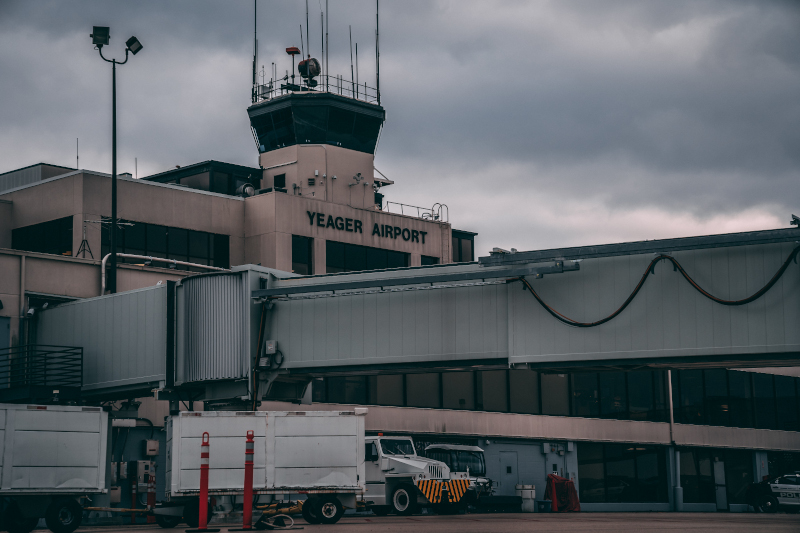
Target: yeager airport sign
x=353 y=225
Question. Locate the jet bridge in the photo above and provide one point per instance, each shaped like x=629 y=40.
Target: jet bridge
x=722 y=301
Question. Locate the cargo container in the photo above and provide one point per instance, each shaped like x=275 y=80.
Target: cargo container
x=52 y=456
x=298 y=455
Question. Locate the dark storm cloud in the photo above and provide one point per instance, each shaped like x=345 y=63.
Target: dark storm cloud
x=649 y=119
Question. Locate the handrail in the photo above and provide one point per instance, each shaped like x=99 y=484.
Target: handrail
x=325 y=84
x=152 y=260
x=439 y=212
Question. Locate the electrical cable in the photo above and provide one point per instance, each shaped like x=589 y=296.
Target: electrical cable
x=258 y=354
x=651 y=270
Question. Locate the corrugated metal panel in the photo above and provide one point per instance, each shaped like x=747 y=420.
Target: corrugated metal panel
x=466 y=323
x=213 y=315
x=124 y=336
x=20 y=177
x=668 y=317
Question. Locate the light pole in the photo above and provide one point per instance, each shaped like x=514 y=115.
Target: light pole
x=100 y=37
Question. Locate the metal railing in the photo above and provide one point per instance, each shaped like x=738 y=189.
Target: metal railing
x=39 y=365
x=439 y=212
x=324 y=84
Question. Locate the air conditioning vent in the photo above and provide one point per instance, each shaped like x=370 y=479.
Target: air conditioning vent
x=311 y=182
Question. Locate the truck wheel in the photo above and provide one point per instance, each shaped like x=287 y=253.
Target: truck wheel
x=768 y=504
x=167 y=521
x=329 y=509
x=63 y=516
x=309 y=511
x=404 y=500
x=16 y=522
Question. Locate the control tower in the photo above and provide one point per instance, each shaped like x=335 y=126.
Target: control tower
x=317 y=139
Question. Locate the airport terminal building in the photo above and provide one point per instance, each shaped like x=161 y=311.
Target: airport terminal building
x=679 y=402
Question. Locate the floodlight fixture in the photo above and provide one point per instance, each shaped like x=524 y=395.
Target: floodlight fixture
x=100 y=35
x=133 y=45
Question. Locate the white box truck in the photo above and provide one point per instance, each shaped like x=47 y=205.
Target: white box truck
x=50 y=457
x=318 y=455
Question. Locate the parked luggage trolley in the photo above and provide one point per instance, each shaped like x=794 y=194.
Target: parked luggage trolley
x=313 y=455
x=53 y=456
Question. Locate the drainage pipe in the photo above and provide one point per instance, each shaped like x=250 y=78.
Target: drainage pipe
x=151 y=259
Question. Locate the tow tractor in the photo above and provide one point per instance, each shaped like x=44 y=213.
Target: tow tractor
x=464 y=462
x=400 y=481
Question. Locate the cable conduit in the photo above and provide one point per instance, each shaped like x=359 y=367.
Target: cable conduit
x=651 y=270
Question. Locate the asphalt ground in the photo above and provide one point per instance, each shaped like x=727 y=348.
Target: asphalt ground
x=577 y=522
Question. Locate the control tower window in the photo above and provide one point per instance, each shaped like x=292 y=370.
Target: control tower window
x=302 y=248
x=54 y=237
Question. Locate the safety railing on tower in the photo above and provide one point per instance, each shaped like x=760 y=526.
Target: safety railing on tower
x=321 y=84
x=439 y=212
x=30 y=372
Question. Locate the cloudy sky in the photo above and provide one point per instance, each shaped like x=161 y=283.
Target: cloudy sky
x=540 y=124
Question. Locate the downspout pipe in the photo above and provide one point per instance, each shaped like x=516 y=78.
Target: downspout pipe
x=151 y=259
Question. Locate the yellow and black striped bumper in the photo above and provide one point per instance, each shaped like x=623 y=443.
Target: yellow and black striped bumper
x=433 y=489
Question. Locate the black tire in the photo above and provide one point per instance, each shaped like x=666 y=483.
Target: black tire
x=167 y=521
x=380 y=510
x=310 y=512
x=63 y=516
x=16 y=522
x=328 y=509
x=191 y=513
x=404 y=500
x=768 y=504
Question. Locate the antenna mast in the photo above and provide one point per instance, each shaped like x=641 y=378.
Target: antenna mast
x=327 y=48
x=352 y=76
x=77 y=155
x=377 y=52
x=308 y=43
x=254 y=96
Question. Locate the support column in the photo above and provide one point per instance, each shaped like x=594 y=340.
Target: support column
x=677 y=490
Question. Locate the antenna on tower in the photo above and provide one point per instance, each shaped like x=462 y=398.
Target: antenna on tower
x=77 y=155
x=377 y=52
x=327 y=48
x=352 y=77
x=308 y=43
x=322 y=39
x=254 y=96
x=357 y=83
x=302 y=50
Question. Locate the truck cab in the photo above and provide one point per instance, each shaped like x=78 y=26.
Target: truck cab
x=400 y=481
x=465 y=461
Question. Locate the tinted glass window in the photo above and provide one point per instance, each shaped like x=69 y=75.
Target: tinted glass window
x=764 y=395
x=427 y=260
x=741 y=394
x=555 y=394
x=585 y=395
x=279 y=181
x=422 y=390
x=466 y=250
x=651 y=474
x=334 y=257
x=493 y=390
x=310 y=123
x=787 y=403
x=738 y=474
x=301 y=255
x=458 y=390
x=344 y=257
x=591 y=472
x=389 y=390
x=697 y=476
x=350 y=389
x=613 y=396
x=156 y=240
x=691 y=398
x=621 y=483
x=54 y=237
x=524 y=391
x=396 y=259
x=640 y=395
x=717 y=405
x=178 y=244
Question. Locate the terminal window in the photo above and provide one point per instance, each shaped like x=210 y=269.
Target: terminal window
x=463 y=246
x=302 y=253
x=343 y=257
x=53 y=237
x=139 y=238
x=428 y=260
x=622 y=473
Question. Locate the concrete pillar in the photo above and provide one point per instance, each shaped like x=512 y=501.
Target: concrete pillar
x=677 y=490
x=319 y=256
